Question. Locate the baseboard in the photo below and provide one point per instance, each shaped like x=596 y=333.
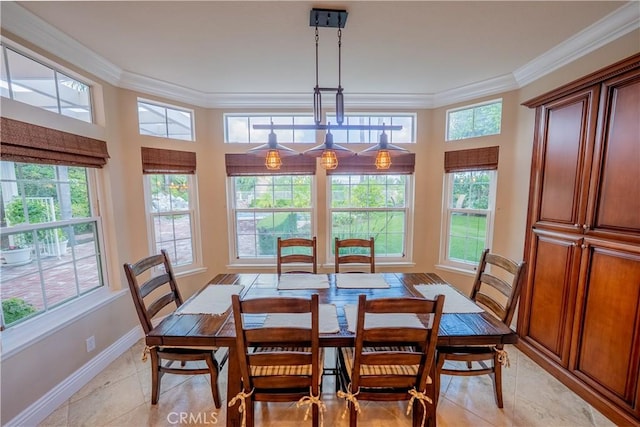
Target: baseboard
x=43 y=407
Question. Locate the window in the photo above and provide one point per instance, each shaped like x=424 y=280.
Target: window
x=267 y=207
x=32 y=82
x=406 y=135
x=365 y=206
x=171 y=207
x=474 y=120
x=165 y=121
x=238 y=128
x=50 y=240
x=468 y=216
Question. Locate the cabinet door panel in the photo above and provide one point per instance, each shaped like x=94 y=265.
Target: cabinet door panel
x=568 y=146
x=554 y=268
x=615 y=188
x=608 y=351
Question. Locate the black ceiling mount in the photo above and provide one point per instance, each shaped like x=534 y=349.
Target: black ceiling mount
x=332 y=18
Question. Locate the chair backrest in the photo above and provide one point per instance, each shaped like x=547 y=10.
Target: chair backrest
x=350 y=257
x=260 y=347
x=500 y=274
x=297 y=257
x=388 y=351
x=143 y=281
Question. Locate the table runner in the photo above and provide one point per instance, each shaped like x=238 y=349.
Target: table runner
x=360 y=280
x=303 y=281
x=214 y=299
x=375 y=320
x=454 y=301
x=327 y=316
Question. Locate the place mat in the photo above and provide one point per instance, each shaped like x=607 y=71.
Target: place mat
x=327 y=317
x=454 y=301
x=360 y=280
x=375 y=320
x=214 y=299
x=303 y=281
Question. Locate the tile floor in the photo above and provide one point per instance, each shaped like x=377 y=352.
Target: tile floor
x=120 y=396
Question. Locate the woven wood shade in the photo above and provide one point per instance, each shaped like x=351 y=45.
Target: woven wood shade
x=247 y=164
x=157 y=160
x=401 y=164
x=485 y=158
x=25 y=142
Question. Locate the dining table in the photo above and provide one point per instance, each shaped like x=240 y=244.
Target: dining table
x=216 y=327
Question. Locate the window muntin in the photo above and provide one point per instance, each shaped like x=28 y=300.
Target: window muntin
x=365 y=206
x=49 y=237
x=165 y=121
x=469 y=207
x=171 y=209
x=238 y=128
x=474 y=120
x=406 y=135
x=29 y=81
x=267 y=207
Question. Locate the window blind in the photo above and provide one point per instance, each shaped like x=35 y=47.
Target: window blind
x=248 y=164
x=401 y=164
x=485 y=158
x=161 y=161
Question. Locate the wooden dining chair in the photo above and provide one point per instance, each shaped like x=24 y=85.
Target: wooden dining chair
x=300 y=257
x=153 y=287
x=358 y=251
x=496 y=275
x=392 y=363
x=278 y=363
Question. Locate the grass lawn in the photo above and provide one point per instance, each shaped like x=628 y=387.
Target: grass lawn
x=467 y=237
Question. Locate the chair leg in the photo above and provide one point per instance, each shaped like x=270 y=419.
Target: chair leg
x=155 y=376
x=249 y=410
x=212 y=363
x=353 y=416
x=497 y=379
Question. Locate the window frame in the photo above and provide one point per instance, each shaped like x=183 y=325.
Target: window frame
x=261 y=136
x=447 y=211
x=32 y=326
x=370 y=116
x=472 y=107
x=236 y=260
x=167 y=107
x=8 y=44
x=193 y=212
x=409 y=207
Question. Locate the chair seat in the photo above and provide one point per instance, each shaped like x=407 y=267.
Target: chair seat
x=284 y=370
x=408 y=370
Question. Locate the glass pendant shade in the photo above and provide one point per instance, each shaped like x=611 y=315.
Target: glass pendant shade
x=273 y=161
x=383 y=159
x=329 y=160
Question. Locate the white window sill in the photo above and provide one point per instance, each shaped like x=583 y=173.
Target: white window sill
x=18 y=337
x=471 y=272
x=189 y=272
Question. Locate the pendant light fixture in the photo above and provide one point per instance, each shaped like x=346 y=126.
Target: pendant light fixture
x=272 y=151
x=328 y=151
x=382 y=151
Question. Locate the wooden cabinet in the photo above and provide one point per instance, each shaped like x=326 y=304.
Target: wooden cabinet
x=580 y=309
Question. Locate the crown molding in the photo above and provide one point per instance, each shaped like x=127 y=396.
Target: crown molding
x=618 y=23
x=476 y=90
x=28 y=26
x=24 y=24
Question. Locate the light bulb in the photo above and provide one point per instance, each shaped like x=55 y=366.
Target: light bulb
x=383 y=159
x=328 y=160
x=273 y=162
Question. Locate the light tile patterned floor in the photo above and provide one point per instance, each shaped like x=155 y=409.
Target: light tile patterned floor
x=120 y=396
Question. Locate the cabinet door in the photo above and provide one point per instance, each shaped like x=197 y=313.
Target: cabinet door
x=553 y=271
x=614 y=200
x=567 y=129
x=606 y=353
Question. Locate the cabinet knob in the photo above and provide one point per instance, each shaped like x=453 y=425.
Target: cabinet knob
x=584 y=246
x=576 y=225
x=585 y=227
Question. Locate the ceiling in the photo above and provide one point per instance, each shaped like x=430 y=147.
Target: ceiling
x=215 y=53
